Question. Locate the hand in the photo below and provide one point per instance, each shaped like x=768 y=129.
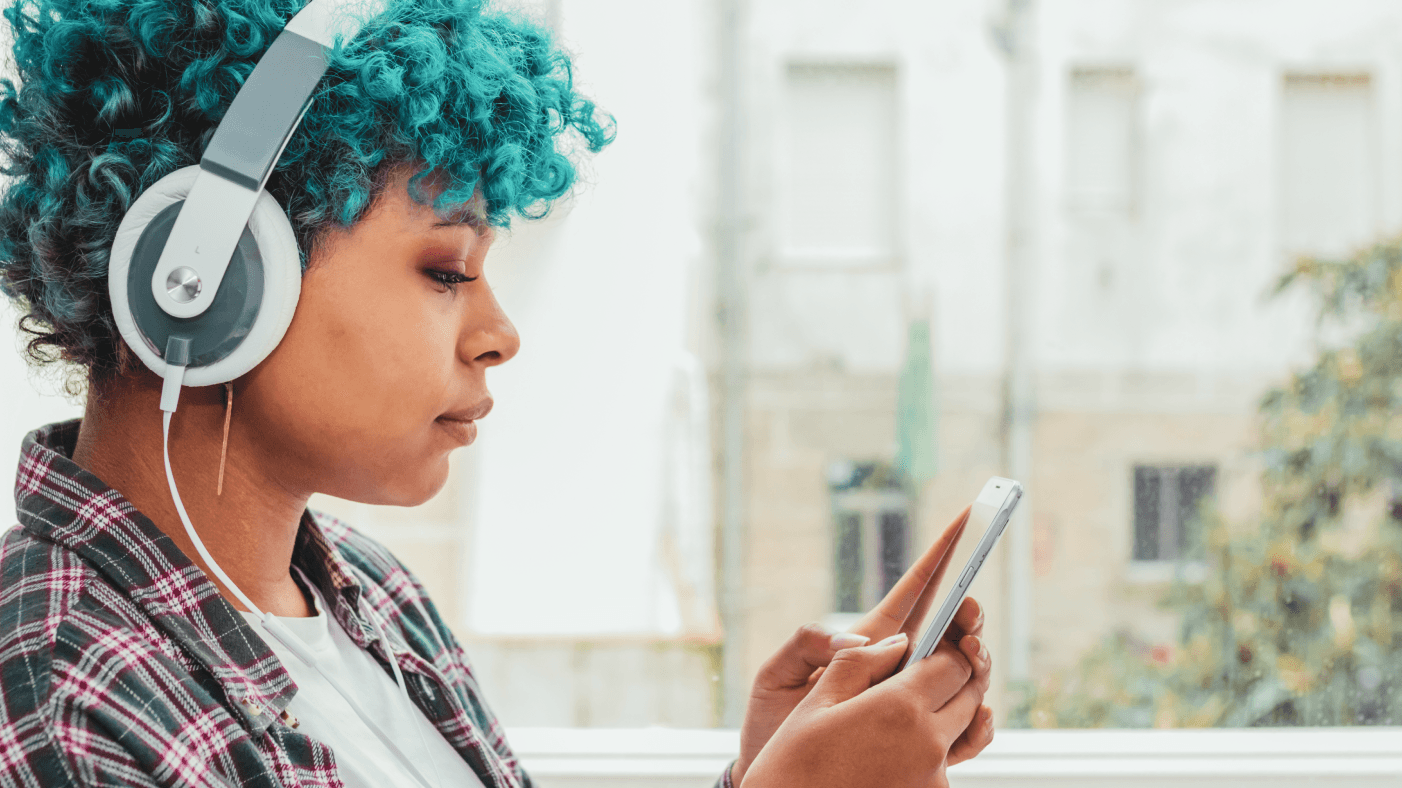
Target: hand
x=855 y=730
x=790 y=674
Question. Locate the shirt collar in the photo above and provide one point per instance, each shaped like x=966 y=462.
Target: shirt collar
x=57 y=500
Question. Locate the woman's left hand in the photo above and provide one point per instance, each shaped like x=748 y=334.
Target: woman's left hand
x=787 y=677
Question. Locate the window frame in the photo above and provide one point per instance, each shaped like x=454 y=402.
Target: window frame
x=868 y=504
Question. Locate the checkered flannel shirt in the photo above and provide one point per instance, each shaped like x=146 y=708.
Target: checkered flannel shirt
x=122 y=665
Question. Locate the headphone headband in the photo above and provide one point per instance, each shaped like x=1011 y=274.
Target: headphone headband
x=246 y=145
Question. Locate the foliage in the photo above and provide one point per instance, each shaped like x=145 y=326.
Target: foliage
x=1299 y=620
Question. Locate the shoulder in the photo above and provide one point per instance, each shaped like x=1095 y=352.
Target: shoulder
x=41 y=583
x=55 y=606
x=74 y=652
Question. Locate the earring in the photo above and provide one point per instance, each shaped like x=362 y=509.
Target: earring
x=224 y=450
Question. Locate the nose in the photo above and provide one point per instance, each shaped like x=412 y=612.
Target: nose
x=489 y=339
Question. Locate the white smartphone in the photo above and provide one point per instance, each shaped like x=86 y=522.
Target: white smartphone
x=991 y=511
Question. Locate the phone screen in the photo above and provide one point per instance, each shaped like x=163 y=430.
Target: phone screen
x=990 y=512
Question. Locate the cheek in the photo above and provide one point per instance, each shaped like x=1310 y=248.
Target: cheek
x=350 y=395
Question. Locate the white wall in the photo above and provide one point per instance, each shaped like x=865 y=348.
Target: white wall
x=28 y=399
x=571 y=510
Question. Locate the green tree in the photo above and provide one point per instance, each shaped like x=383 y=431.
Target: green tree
x=1299 y=621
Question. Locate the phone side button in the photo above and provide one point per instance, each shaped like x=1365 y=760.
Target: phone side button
x=966 y=577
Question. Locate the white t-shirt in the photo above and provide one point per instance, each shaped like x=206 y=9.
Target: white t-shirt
x=361 y=758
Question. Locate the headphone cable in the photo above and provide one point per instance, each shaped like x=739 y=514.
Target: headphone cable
x=170 y=396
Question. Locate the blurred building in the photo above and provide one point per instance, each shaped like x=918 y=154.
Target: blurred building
x=1181 y=154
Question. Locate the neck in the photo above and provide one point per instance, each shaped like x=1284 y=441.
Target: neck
x=250 y=528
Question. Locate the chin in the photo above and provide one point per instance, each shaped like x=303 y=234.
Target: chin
x=419 y=488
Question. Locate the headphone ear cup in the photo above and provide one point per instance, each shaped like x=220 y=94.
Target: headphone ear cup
x=254 y=304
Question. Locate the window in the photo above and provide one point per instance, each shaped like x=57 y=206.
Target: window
x=1328 y=164
x=871 y=528
x=1102 y=141
x=1166 y=501
x=838 y=165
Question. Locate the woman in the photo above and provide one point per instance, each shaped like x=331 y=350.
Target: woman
x=124 y=659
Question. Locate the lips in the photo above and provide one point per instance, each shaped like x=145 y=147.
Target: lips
x=461 y=423
x=471 y=413
x=462 y=431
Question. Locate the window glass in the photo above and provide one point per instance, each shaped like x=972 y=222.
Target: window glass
x=1101 y=139
x=1329 y=163
x=837 y=164
x=1167 y=504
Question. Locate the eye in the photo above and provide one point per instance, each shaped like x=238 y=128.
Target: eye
x=449 y=279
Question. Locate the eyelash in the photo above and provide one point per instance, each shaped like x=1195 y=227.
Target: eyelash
x=450 y=279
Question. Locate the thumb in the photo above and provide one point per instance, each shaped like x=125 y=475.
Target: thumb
x=855 y=670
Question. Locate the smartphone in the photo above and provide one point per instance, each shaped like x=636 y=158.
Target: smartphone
x=991 y=511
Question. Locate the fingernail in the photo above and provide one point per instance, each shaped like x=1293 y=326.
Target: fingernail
x=847 y=640
x=899 y=637
x=976 y=644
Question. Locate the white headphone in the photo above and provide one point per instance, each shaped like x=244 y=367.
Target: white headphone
x=205 y=254
x=205 y=273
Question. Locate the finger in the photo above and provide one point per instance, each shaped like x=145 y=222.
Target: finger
x=967 y=621
x=976 y=652
x=974 y=739
x=812 y=646
x=958 y=711
x=936 y=678
x=853 y=671
x=904 y=606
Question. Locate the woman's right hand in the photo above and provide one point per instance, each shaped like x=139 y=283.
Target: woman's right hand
x=858 y=728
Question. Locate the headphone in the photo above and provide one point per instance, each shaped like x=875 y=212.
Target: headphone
x=205 y=273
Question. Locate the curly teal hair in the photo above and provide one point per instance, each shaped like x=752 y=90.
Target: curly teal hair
x=116 y=94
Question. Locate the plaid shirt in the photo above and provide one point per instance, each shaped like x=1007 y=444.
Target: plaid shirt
x=122 y=665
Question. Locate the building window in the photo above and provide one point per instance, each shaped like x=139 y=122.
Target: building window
x=871 y=533
x=1166 y=507
x=1102 y=141
x=1328 y=163
x=837 y=165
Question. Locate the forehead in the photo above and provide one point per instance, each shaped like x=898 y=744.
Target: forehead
x=471 y=213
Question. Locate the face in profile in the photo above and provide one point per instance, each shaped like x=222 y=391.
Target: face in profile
x=385 y=361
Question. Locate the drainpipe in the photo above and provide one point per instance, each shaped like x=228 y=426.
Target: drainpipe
x=730 y=316
x=1017 y=39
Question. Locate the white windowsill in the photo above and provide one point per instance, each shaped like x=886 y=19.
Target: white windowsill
x=1147 y=572
x=1220 y=758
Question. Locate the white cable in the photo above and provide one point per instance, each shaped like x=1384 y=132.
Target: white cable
x=399 y=679
x=170 y=396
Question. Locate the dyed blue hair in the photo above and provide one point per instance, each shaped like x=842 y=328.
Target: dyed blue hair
x=117 y=94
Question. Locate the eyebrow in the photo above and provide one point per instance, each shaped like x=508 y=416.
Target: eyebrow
x=470 y=220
